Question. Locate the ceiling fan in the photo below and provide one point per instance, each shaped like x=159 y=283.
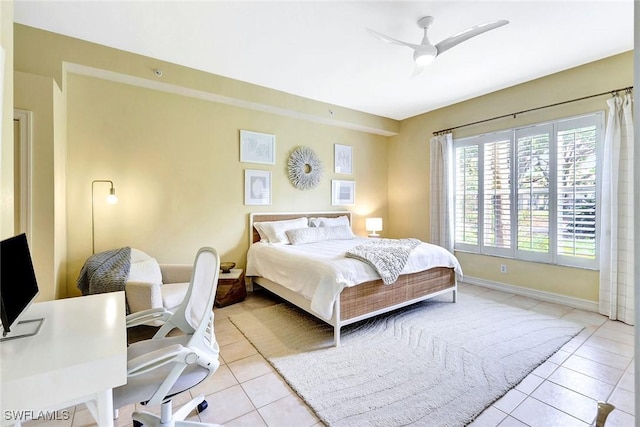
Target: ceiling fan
x=425 y=52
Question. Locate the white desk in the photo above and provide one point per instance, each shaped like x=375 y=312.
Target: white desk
x=79 y=355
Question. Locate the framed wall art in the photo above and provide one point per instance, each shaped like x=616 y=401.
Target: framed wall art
x=257 y=147
x=343 y=160
x=257 y=187
x=343 y=192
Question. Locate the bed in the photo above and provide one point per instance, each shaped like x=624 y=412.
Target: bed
x=319 y=279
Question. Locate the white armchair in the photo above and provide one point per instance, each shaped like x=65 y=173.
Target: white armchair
x=155 y=286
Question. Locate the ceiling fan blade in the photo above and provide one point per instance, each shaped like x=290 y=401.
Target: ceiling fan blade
x=390 y=39
x=456 y=39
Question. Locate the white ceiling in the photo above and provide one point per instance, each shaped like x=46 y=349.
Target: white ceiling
x=320 y=49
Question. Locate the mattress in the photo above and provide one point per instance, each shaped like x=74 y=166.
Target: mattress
x=320 y=271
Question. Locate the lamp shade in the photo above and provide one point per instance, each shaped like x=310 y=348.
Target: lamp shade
x=374 y=225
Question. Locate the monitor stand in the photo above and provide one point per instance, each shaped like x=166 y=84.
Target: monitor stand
x=24 y=328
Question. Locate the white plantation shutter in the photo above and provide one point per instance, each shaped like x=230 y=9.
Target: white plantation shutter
x=533 y=192
x=577 y=189
x=466 y=195
x=496 y=205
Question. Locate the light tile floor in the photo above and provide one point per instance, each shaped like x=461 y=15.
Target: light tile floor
x=596 y=365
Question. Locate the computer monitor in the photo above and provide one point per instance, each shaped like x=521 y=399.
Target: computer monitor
x=18 y=285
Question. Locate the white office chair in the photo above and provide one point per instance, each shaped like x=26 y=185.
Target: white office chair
x=161 y=367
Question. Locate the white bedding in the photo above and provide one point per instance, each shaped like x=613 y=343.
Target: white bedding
x=319 y=271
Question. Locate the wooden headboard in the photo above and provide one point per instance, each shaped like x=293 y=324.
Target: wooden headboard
x=279 y=216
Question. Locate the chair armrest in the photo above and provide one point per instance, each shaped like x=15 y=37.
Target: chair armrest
x=151 y=315
x=157 y=358
x=176 y=273
x=143 y=295
x=205 y=359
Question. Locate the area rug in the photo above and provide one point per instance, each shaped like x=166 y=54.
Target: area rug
x=431 y=364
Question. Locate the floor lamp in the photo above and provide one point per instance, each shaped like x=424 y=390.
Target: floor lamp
x=111 y=199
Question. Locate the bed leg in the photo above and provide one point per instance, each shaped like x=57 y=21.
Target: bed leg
x=455 y=295
x=336 y=322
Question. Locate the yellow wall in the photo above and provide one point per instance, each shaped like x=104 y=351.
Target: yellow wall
x=42 y=96
x=6 y=122
x=59 y=259
x=48 y=54
x=175 y=158
x=175 y=165
x=409 y=162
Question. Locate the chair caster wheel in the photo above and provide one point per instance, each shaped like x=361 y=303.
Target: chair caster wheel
x=137 y=423
x=201 y=407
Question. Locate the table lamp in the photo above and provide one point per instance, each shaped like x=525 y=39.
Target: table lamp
x=373 y=225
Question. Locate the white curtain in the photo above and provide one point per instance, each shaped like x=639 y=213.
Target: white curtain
x=616 y=218
x=442 y=191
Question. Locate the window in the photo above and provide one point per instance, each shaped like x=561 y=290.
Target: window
x=530 y=193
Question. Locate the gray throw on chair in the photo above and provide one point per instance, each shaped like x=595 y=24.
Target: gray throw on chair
x=105 y=272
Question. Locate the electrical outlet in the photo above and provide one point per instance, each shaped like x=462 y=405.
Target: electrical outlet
x=503 y=268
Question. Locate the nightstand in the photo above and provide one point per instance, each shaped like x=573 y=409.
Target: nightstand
x=231 y=288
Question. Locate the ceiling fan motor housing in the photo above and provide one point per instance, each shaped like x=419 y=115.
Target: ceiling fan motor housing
x=425 y=22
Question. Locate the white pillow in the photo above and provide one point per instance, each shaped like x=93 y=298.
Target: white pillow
x=275 y=231
x=261 y=232
x=329 y=222
x=301 y=236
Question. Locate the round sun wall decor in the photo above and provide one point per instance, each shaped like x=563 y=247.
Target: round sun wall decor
x=305 y=168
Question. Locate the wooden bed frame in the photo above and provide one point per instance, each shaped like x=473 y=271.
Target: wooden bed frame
x=367 y=299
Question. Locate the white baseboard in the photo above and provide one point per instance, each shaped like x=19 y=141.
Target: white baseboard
x=582 y=304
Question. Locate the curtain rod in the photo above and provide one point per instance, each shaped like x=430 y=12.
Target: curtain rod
x=612 y=92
